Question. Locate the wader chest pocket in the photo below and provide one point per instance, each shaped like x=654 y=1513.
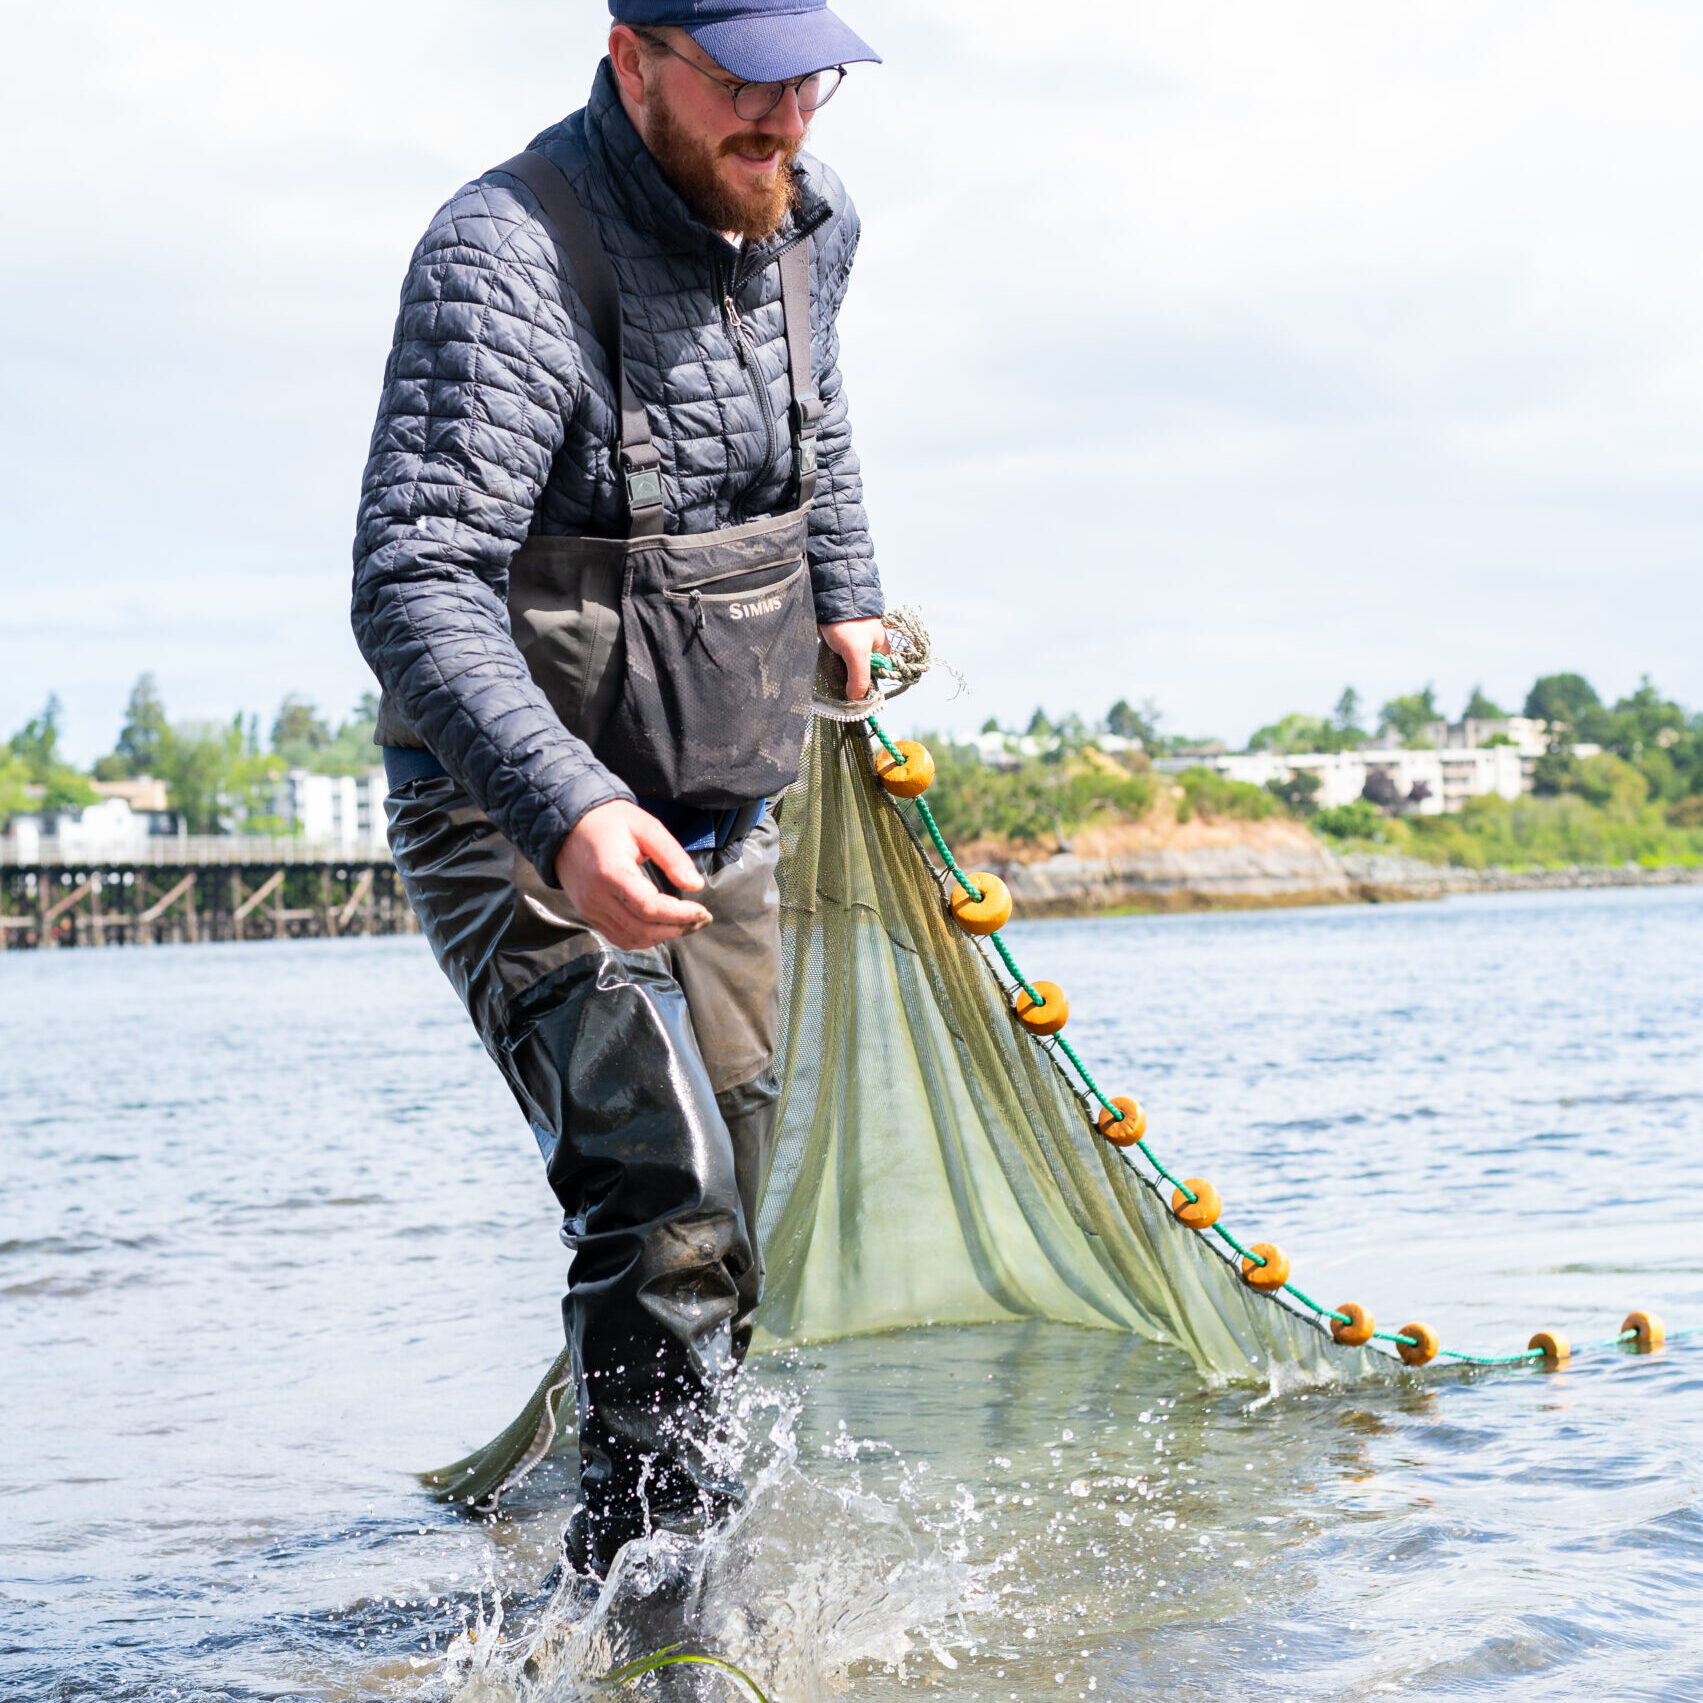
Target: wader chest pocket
x=715 y=700
x=565 y=615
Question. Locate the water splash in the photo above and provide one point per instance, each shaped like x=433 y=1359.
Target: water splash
x=805 y=1583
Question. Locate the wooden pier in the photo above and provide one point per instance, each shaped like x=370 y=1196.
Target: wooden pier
x=195 y=889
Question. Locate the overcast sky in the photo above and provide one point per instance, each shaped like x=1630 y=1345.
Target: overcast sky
x=1221 y=354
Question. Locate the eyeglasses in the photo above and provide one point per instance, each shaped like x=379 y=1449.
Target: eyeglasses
x=752 y=101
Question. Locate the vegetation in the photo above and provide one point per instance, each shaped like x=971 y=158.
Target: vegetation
x=1637 y=798
x=219 y=777
x=1037 y=802
x=1208 y=794
x=1542 y=833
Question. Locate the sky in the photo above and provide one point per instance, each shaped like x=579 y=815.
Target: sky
x=1221 y=355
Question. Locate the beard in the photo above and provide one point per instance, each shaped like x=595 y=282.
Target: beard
x=691 y=167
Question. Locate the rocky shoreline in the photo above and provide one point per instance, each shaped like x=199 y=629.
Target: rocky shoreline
x=1255 y=876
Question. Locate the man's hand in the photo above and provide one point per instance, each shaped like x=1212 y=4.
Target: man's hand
x=851 y=642
x=600 y=868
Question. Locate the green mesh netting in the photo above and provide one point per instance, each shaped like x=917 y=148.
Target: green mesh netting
x=934 y=1165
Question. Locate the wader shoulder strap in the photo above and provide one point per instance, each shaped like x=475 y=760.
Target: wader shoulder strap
x=641 y=464
x=806 y=404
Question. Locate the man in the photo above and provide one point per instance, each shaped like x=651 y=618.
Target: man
x=611 y=501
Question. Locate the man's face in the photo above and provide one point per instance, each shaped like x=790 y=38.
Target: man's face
x=736 y=176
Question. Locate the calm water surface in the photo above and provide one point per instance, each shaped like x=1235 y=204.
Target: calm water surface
x=272 y=1235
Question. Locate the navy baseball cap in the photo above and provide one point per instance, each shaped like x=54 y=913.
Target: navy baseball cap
x=761 y=41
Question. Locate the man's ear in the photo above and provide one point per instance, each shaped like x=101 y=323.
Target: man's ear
x=627 y=56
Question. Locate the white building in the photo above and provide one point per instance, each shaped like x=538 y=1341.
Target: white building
x=336 y=810
x=124 y=818
x=1522 y=731
x=1429 y=783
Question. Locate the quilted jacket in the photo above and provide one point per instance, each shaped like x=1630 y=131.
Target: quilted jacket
x=499 y=420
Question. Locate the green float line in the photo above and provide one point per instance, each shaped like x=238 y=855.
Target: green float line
x=1069 y=1052
x=1057 y=1043
x=1177 y=1183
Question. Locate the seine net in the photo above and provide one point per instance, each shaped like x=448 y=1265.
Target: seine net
x=934 y=1163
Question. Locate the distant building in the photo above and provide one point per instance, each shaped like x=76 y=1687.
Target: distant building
x=1427 y=782
x=145 y=796
x=126 y=816
x=339 y=810
x=1463 y=763
x=1522 y=732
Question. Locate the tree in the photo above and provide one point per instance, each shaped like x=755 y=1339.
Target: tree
x=142 y=739
x=1296 y=732
x=213 y=781
x=1381 y=790
x=37 y=741
x=1039 y=727
x=991 y=725
x=298 y=729
x=1299 y=795
x=1410 y=715
x=201 y=760
x=14 y=780
x=1570 y=705
x=35 y=747
x=1356 y=821
x=1128 y=722
x=1555 y=772
x=1346 y=715
x=1481 y=708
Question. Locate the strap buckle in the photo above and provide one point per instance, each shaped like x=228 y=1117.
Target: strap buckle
x=806 y=423
x=642 y=466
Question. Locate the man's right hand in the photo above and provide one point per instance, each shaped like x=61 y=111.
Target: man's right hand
x=601 y=869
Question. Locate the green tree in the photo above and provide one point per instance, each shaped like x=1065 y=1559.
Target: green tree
x=1481 y=708
x=991 y=725
x=1347 y=733
x=1410 y=716
x=298 y=730
x=14 y=781
x=1296 y=732
x=1299 y=795
x=142 y=739
x=1128 y=722
x=1356 y=821
x=35 y=746
x=1039 y=727
x=37 y=741
x=1555 y=772
x=1569 y=703
x=351 y=751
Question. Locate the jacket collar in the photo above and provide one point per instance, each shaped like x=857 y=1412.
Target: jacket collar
x=645 y=199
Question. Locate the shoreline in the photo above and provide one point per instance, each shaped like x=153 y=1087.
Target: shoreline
x=1243 y=878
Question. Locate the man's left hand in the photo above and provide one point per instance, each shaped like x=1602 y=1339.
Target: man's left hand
x=852 y=642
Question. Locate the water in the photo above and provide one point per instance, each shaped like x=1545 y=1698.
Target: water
x=271 y=1235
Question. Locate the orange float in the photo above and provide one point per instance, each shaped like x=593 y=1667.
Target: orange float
x=986 y=915
x=911 y=775
x=1270 y=1276
x=1128 y=1127
x=1357 y=1332
x=1554 y=1346
x=1050 y=1015
x=1202 y=1212
x=1651 y=1333
x=1422 y=1349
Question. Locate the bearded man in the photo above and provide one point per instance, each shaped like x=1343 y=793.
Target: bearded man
x=610 y=504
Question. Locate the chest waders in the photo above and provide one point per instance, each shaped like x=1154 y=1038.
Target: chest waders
x=687 y=663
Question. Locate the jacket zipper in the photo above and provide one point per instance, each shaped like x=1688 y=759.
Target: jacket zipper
x=736 y=278
x=747 y=354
